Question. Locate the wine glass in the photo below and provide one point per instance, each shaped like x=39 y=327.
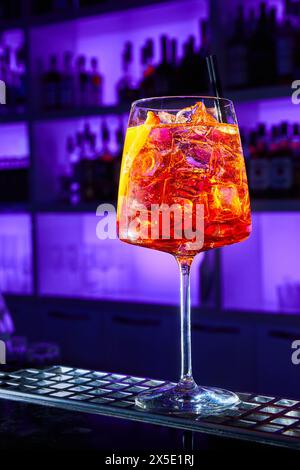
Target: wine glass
x=183 y=190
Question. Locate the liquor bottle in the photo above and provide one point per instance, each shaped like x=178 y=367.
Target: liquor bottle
x=262 y=68
x=87 y=165
x=126 y=90
x=117 y=159
x=259 y=168
x=175 y=70
x=273 y=27
x=189 y=65
x=82 y=82
x=147 y=85
x=163 y=70
x=8 y=78
x=293 y=15
x=237 y=53
x=203 y=52
x=67 y=91
x=20 y=79
x=66 y=171
x=296 y=158
x=52 y=83
x=106 y=165
x=96 y=84
x=282 y=164
x=285 y=52
x=143 y=83
x=75 y=154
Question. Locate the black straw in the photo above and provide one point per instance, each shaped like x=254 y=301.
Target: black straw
x=214 y=77
x=215 y=81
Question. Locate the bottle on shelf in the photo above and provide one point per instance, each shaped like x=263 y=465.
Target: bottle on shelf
x=117 y=159
x=273 y=160
x=8 y=78
x=20 y=79
x=147 y=85
x=174 y=78
x=126 y=89
x=67 y=91
x=66 y=171
x=292 y=12
x=164 y=69
x=203 y=52
x=281 y=160
x=90 y=174
x=189 y=77
x=285 y=52
x=237 y=53
x=262 y=54
x=96 y=84
x=296 y=158
x=259 y=168
x=87 y=165
x=74 y=153
x=106 y=166
x=267 y=44
x=51 y=85
x=82 y=82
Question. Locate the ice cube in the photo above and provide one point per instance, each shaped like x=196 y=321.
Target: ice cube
x=162 y=138
x=194 y=146
x=197 y=114
x=226 y=200
x=184 y=115
x=166 y=118
x=200 y=115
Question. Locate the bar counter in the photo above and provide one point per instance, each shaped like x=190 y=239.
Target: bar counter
x=30 y=427
x=84 y=407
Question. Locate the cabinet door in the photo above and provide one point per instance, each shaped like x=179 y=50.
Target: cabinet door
x=277 y=375
x=223 y=356
x=145 y=345
x=80 y=335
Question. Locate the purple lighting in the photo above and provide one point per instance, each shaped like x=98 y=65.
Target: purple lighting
x=73 y=262
x=14 y=141
x=15 y=254
x=256 y=271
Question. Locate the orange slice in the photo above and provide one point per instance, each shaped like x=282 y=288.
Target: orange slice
x=135 y=139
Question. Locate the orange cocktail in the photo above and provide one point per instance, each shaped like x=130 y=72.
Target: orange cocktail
x=168 y=161
x=183 y=190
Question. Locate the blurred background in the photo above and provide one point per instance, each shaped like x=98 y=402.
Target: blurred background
x=72 y=68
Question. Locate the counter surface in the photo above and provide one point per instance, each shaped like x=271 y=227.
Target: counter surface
x=105 y=398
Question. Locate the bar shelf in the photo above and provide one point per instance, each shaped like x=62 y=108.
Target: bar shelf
x=260 y=94
x=275 y=205
x=80 y=113
x=78 y=12
x=12 y=117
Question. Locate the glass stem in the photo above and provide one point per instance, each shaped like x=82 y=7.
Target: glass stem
x=186 y=379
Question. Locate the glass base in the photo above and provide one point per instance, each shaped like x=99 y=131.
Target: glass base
x=197 y=400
